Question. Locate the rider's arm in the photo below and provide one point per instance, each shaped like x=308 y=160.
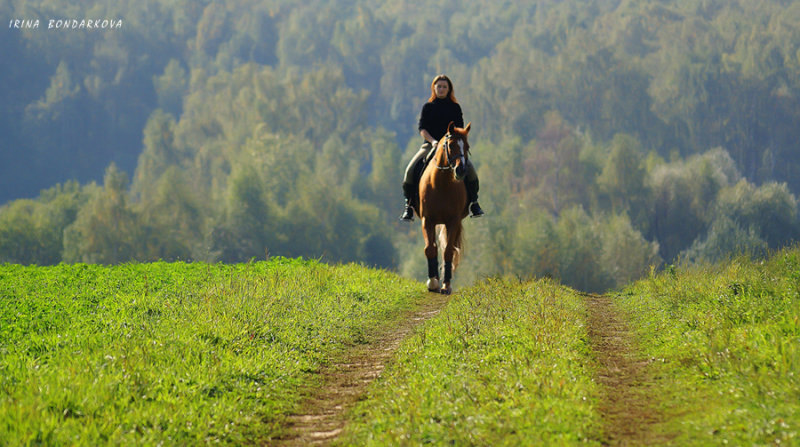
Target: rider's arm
x=426 y=136
x=425 y=121
x=459 y=117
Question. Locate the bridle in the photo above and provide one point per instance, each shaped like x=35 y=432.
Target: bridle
x=451 y=163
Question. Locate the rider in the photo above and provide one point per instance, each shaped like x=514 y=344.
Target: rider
x=437 y=113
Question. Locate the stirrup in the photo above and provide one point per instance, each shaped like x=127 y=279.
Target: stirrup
x=475 y=210
x=408 y=214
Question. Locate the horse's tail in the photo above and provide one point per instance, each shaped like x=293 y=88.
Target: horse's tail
x=458 y=243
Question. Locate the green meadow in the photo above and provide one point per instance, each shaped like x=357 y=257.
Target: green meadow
x=509 y=363
x=724 y=342
x=175 y=353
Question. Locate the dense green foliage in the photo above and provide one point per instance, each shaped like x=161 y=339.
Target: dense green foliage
x=725 y=346
x=505 y=363
x=609 y=135
x=175 y=353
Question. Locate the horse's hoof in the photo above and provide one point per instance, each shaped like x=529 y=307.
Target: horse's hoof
x=446 y=291
x=433 y=284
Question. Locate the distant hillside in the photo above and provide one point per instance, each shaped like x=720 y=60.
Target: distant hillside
x=609 y=135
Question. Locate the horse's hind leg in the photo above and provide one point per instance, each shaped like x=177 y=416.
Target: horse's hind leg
x=432 y=253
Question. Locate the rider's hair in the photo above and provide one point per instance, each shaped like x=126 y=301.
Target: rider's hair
x=450 y=93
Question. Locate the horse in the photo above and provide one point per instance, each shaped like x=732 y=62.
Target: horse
x=443 y=202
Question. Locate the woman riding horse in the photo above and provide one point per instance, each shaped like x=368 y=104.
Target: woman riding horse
x=443 y=204
x=441 y=109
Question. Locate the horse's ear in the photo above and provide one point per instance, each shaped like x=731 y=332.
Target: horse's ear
x=451 y=126
x=466 y=129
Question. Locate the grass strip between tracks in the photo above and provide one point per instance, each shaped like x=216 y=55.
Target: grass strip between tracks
x=505 y=363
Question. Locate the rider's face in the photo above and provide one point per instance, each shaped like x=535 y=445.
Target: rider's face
x=442 y=88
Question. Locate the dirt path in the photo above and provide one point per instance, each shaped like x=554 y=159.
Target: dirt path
x=323 y=413
x=628 y=408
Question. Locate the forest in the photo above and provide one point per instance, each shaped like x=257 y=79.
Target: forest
x=612 y=137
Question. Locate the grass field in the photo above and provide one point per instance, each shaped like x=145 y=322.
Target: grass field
x=195 y=353
x=175 y=353
x=509 y=364
x=724 y=342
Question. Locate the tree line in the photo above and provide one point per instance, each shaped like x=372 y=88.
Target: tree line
x=611 y=137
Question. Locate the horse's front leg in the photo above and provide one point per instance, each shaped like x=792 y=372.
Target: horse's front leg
x=453 y=234
x=431 y=253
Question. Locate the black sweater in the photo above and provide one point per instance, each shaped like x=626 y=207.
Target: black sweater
x=436 y=115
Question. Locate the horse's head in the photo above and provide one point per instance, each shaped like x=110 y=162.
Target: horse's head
x=456 y=150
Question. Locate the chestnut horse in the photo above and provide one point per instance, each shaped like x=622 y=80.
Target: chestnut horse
x=443 y=201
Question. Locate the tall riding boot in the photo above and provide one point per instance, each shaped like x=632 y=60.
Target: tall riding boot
x=472 y=197
x=408 y=213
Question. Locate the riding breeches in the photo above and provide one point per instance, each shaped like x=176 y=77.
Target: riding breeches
x=408 y=178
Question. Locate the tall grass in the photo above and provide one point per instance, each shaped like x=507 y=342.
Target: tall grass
x=504 y=363
x=174 y=353
x=725 y=346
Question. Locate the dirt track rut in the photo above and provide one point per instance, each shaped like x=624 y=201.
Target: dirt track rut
x=324 y=411
x=628 y=406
